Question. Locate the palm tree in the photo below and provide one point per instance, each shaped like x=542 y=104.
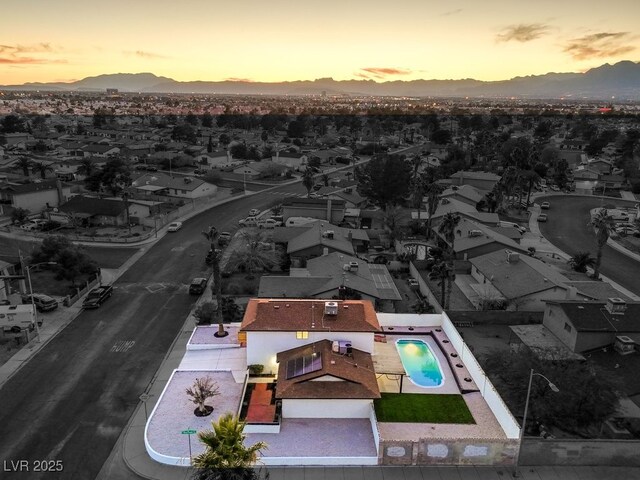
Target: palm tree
x=212 y=236
x=447 y=229
x=307 y=180
x=86 y=167
x=325 y=179
x=253 y=256
x=603 y=224
x=25 y=164
x=580 y=261
x=433 y=191
x=41 y=168
x=441 y=271
x=226 y=456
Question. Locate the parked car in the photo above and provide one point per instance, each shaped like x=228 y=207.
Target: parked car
x=224 y=239
x=542 y=217
x=174 y=226
x=97 y=296
x=197 y=286
x=30 y=226
x=269 y=223
x=626 y=231
x=254 y=212
x=545 y=205
x=413 y=283
x=43 y=303
x=248 y=222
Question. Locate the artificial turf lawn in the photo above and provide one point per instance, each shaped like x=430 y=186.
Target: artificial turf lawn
x=421 y=408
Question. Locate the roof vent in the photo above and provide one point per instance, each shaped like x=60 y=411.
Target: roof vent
x=346 y=267
x=331 y=308
x=475 y=233
x=276 y=307
x=512 y=257
x=616 y=306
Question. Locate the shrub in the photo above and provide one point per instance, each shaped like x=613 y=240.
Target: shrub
x=255 y=369
x=234 y=289
x=248 y=289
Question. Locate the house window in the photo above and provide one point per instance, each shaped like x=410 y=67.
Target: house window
x=302 y=335
x=184 y=192
x=567 y=327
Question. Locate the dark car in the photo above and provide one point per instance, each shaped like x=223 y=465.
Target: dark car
x=97 y=296
x=224 y=239
x=197 y=286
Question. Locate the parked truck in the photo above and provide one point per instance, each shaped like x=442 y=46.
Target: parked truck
x=97 y=296
x=16 y=318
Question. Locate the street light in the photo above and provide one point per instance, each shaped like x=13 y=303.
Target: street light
x=553 y=388
x=33 y=303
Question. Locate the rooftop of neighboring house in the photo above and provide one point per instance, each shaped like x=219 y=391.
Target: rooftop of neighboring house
x=476 y=175
x=93 y=206
x=453 y=205
x=97 y=148
x=157 y=179
x=291 y=315
x=31 y=187
x=311 y=202
x=347 y=376
x=466 y=191
x=351 y=197
x=325 y=234
x=264 y=165
x=597 y=290
x=469 y=235
x=595 y=317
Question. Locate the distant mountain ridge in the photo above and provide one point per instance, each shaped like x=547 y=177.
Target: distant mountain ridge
x=621 y=80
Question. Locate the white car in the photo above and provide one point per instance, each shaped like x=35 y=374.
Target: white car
x=545 y=206
x=175 y=226
x=269 y=223
x=30 y=226
x=254 y=212
x=248 y=222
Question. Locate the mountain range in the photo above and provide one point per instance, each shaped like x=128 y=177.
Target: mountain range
x=621 y=80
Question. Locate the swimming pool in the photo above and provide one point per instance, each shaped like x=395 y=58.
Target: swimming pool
x=420 y=363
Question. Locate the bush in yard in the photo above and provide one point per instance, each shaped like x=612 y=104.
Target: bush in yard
x=19 y=215
x=234 y=289
x=255 y=369
x=201 y=390
x=205 y=313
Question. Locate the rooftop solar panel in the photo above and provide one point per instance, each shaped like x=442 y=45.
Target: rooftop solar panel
x=303 y=365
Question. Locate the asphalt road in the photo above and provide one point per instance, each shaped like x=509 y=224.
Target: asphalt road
x=568 y=228
x=72 y=400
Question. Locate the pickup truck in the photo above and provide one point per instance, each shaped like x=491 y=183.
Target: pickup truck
x=97 y=296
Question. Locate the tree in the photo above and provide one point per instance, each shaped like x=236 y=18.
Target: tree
x=224 y=139
x=392 y=216
x=422 y=306
x=587 y=394
x=201 y=390
x=25 y=164
x=251 y=255
x=308 y=180
x=239 y=150
x=207 y=120
x=230 y=310
x=12 y=124
x=70 y=260
x=184 y=132
x=603 y=224
x=205 y=313
x=226 y=457
x=86 y=167
x=441 y=272
x=19 y=215
x=580 y=261
x=447 y=229
x=384 y=180
x=212 y=237
x=433 y=191
x=41 y=168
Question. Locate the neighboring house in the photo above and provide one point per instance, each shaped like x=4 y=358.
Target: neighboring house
x=35 y=197
x=574 y=145
x=322 y=238
x=255 y=170
x=215 y=159
x=601 y=165
x=484 y=181
x=291 y=160
x=327 y=275
x=180 y=187
x=90 y=211
x=322 y=209
x=65 y=174
x=614 y=182
x=522 y=282
x=473 y=240
x=465 y=210
x=101 y=151
x=465 y=193
x=19 y=138
x=585 y=173
x=350 y=196
x=584 y=326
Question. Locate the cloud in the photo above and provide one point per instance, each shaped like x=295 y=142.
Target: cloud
x=382 y=72
x=451 y=12
x=524 y=32
x=34 y=48
x=362 y=75
x=599 y=45
x=236 y=79
x=143 y=54
x=14 y=60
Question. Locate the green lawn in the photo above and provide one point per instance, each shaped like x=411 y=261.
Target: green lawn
x=420 y=408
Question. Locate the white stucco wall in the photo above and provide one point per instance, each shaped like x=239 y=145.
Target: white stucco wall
x=262 y=347
x=334 y=408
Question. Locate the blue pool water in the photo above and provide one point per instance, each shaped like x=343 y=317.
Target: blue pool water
x=420 y=363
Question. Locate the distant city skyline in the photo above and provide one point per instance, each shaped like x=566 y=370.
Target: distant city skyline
x=281 y=40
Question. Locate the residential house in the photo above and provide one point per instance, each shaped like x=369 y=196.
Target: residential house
x=255 y=170
x=465 y=193
x=322 y=238
x=215 y=159
x=292 y=160
x=179 y=187
x=93 y=211
x=350 y=196
x=322 y=209
x=101 y=151
x=584 y=326
x=333 y=276
x=17 y=139
x=484 y=181
x=463 y=209
x=600 y=165
x=35 y=197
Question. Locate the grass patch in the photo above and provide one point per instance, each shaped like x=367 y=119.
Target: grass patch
x=420 y=408
x=44 y=281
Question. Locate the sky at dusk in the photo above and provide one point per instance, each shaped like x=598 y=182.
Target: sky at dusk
x=279 y=40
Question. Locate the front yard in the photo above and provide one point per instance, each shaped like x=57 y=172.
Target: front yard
x=422 y=408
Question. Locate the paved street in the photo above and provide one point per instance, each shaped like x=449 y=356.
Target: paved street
x=72 y=400
x=567 y=228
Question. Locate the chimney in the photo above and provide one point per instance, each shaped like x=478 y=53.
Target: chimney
x=512 y=257
x=572 y=293
x=616 y=306
x=329 y=210
x=350 y=236
x=325 y=251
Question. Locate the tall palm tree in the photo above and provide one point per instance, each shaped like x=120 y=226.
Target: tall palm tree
x=325 y=179
x=307 y=180
x=41 y=168
x=603 y=224
x=226 y=456
x=25 y=164
x=86 y=167
x=441 y=272
x=447 y=229
x=212 y=236
x=433 y=191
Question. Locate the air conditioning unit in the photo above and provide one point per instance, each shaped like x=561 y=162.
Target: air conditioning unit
x=474 y=233
x=512 y=257
x=328 y=234
x=346 y=267
x=616 y=306
x=624 y=345
x=342 y=347
x=353 y=265
x=331 y=309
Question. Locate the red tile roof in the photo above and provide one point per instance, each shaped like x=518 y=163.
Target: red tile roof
x=290 y=315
